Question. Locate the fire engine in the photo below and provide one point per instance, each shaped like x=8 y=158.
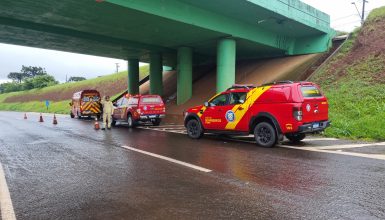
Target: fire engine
x=86 y=103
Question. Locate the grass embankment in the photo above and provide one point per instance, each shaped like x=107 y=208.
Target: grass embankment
x=60 y=95
x=354 y=82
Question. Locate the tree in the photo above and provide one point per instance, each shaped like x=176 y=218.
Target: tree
x=18 y=77
x=76 y=79
x=32 y=71
x=40 y=82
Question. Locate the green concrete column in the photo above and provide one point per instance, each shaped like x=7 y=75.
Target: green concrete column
x=184 y=75
x=225 y=64
x=133 y=76
x=156 y=77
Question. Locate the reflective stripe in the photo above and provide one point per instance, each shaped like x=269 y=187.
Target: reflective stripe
x=251 y=97
x=91 y=106
x=200 y=113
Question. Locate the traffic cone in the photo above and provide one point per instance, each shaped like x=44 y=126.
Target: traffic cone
x=41 y=118
x=97 y=127
x=25 y=115
x=54 y=119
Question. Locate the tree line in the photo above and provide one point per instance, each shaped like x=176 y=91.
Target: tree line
x=31 y=77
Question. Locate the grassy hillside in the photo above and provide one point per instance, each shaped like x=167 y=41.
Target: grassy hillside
x=60 y=95
x=354 y=82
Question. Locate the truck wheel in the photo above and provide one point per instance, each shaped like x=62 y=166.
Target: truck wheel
x=265 y=135
x=295 y=137
x=130 y=121
x=194 y=129
x=156 y=122
x=78 y=115
x=113 y=122
x=72 y=115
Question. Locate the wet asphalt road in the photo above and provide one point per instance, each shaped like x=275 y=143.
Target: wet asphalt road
x=71 y=171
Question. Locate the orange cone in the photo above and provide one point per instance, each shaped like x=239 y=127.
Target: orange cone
x=97 y=127
x=41 y=118
x=25 y=115
x=54 y=119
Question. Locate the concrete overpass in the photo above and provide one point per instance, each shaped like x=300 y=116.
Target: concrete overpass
x=176 y=33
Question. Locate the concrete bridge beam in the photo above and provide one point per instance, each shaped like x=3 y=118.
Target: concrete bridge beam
x=156 y=77
x=184 y=74
x=133 y=76
x=226 y=55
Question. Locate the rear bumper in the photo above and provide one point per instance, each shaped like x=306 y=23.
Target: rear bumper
x=90 y=113
x=149 y=117
x=314 y=127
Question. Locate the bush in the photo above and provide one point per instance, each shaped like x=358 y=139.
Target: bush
x=40 y=82
x=10 y=87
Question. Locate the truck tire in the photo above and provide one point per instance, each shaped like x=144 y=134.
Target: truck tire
x=156 y=122
x=130 y=121
x=72 y=115
x=194 y=129
x=295 y=137
x=265 y=135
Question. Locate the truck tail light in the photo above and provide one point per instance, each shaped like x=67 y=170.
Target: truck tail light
x=164 y=109
x=297 y=113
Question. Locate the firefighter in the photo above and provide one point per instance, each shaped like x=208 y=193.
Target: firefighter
x=108 y=109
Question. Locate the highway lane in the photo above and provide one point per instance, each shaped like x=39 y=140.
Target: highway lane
x=71 y=171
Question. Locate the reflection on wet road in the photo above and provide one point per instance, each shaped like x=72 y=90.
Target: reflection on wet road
x=71 y=171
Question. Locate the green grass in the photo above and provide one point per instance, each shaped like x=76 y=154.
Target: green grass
x=62 y=106
x=357 y=110
x=376 y=14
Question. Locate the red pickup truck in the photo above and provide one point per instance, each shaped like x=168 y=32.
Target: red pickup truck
x=134 y=109
x=270 y=111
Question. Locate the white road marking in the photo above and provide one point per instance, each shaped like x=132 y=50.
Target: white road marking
x=320 y=139
x=177 y=130
x=322 y=149
x=346 y=146
x=371 y=156
x=167 y=125
x=7 y=212
x=169 y=159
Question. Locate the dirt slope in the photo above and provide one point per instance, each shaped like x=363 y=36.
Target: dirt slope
x=247 y=72
x=354 y=82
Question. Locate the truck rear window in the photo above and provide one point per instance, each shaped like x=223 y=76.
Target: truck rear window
x=310 y=91
x=90 y=98
x=151 y=100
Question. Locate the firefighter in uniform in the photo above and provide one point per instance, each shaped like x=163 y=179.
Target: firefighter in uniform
x=108 y=109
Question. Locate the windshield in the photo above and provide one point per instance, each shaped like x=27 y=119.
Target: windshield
x=310 y=91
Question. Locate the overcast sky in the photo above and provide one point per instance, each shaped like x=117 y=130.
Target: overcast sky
x=343 y=15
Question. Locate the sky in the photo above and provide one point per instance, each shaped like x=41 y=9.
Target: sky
x=343 y=14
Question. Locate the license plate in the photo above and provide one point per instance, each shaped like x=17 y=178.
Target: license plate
x=316 y=125
x=152 y=116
